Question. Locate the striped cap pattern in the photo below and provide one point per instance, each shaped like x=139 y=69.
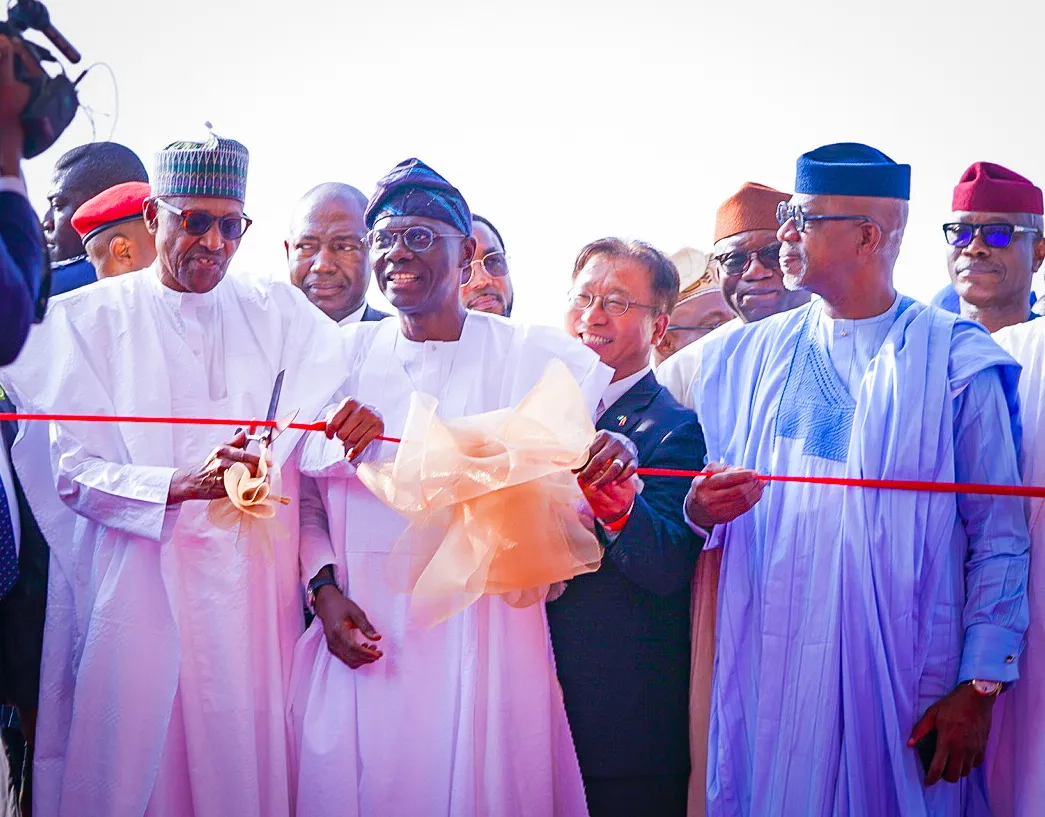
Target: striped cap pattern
x=215 y=168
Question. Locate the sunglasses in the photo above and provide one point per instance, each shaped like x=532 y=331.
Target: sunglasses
x=415 y=239
x=997 y=236
x=197 y=222
x=784 y=213
x=737 y=263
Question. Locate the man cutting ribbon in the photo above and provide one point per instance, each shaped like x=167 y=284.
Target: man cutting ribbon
x=862 y=634
x=169 y=639
x=464 y=717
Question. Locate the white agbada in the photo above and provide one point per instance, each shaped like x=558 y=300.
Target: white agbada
x=168 y=641
x=680 y=372
x=465 y=719
x=1016 y=757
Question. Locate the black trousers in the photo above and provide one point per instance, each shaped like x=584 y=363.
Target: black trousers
x=649 y=796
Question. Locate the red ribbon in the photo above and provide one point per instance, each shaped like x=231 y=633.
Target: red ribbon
x=885 y=484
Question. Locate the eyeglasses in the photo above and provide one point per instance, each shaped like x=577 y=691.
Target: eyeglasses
x=997 y=236
x=737 y=263
x=611 y=304
x=785 y=212
x=709 y=327
x=197 y=222
x=416 y=239
x=494 y=264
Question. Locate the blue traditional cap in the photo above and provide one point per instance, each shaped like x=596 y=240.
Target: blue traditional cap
x=852 y=169
x=216 y=168
x=412 y=188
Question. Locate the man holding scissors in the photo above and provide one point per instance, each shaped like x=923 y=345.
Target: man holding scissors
x=169 y=636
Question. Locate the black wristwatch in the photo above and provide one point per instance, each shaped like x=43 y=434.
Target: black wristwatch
x=314 y=585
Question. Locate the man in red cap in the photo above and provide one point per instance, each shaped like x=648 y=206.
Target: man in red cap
x=746 y=263
x=112 y=228
x=995 y=235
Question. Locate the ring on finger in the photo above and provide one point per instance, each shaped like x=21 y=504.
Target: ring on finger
x=619 y=463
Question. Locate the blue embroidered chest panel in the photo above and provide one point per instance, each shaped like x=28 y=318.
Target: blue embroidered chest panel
x=816 y=407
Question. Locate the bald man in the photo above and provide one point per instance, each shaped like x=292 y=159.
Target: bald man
x=326 y=253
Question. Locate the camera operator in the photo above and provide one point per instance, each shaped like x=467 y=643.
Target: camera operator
x=21 y=243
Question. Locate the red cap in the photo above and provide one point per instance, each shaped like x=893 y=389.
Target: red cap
x=113 y=206
x=991 y=188
x=752 y=207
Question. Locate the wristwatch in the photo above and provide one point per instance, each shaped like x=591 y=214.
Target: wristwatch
x=987 y=688
x=314 y=585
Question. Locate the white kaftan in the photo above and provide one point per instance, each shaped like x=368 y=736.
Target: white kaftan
x=464 y=719
x=168 y=641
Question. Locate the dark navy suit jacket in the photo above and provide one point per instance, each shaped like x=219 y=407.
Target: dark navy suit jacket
x=371 y=314
x=21 y=263
x=622 y=634
x=22 y=609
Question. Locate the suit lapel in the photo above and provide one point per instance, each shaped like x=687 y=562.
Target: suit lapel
x=627 y=411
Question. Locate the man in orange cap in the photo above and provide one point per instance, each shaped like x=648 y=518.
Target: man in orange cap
x=745 y=263
x=112 y=228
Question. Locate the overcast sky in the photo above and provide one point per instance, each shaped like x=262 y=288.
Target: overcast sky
x=568 y=121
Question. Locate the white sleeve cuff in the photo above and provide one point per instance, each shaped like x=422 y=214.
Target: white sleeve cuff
x=13 y=184
x=693 y=526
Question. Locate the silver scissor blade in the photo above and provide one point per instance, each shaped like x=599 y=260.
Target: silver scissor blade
x=277 y=387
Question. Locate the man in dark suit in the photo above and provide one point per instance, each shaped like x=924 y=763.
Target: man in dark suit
x=21 y=247
x=327 y=255
x=621 y=634
x=23 y=598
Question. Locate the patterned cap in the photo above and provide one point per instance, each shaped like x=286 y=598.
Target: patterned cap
x=412 y=188
x=216 y=168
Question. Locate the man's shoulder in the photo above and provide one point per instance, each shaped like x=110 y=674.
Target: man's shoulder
x=1022 y=341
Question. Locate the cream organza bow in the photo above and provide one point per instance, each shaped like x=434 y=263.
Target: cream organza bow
x=491 y=500
x=251 y=502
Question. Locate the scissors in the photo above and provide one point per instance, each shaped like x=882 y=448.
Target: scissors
x=266 y=435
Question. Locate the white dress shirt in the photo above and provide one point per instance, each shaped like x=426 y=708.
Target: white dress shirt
x=616 y=390
x=353 y=317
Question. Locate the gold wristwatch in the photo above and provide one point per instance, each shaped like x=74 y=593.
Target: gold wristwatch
x=987 y=688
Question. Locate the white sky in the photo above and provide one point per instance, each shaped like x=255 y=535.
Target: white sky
x=565 y=122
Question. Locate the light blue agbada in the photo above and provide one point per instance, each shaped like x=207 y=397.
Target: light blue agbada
x=845 y=613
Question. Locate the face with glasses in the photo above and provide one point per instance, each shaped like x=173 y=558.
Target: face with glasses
x=489 y=286
x=327 y=256
x=610 y=310
x=692 y=319
x=748 y=269
x=992 y=257
x=821 y=240
x=196 y=238
x=419 y=263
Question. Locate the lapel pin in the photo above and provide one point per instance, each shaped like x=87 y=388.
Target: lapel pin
x=621 y=420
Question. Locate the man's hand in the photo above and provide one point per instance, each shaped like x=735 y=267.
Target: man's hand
x=612 y=460
x=14 y=96
x=962 y=721
x=723 y=496
x=341 y=619
x=611 y=502
x=355 y=425
x=208 y=481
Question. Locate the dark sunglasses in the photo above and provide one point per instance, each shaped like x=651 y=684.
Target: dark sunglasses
x=997 y=236
x=737 y=263
x=197 y=222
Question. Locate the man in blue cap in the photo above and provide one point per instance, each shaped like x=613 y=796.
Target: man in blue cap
x=862 y=634
x=464 y=717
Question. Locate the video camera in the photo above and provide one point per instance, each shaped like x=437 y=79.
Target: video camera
x=52 y=103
